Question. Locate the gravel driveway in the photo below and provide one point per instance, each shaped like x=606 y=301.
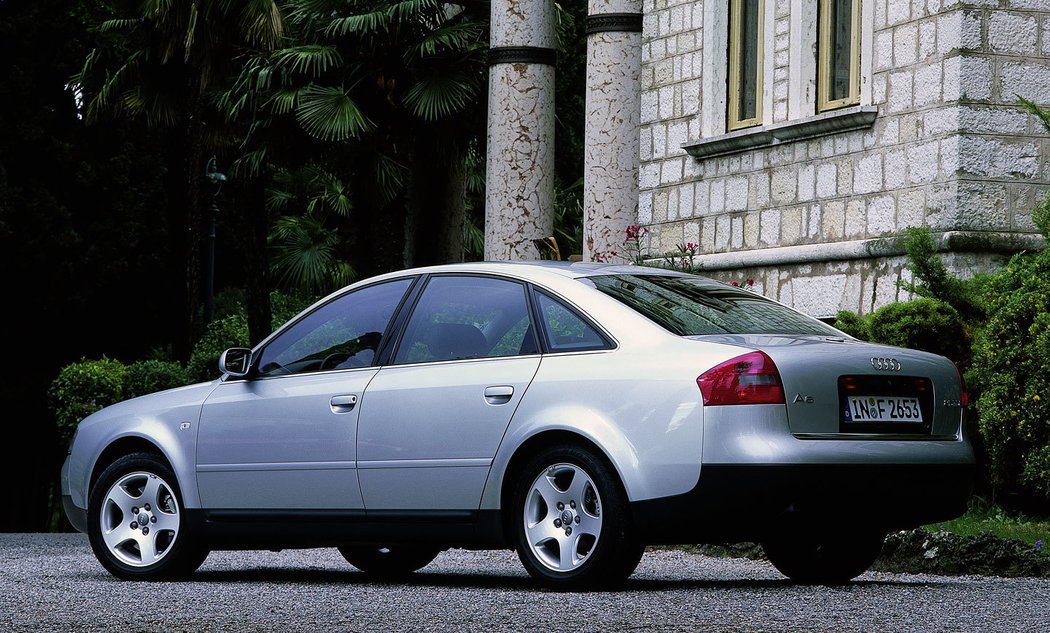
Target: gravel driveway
x=51 y=582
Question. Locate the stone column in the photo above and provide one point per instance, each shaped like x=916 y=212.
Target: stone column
x=519 y=174
x=610 y=163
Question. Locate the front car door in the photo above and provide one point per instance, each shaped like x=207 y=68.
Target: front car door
x=286 y=437
x=432 y=419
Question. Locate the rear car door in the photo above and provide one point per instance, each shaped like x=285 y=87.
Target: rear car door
x=432 y=419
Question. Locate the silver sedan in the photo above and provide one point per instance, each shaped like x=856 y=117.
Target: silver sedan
x=575 y=413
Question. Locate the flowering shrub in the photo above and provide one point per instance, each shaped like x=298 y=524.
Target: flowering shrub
x=683 y=258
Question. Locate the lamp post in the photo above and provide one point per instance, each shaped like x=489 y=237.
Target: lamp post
x=215 y=178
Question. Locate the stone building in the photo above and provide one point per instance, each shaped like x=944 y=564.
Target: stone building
x=793 y=139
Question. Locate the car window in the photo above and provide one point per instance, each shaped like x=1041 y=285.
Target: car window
x=341 y=334
x=693 y=305
x=565 y=330
x=467 y=317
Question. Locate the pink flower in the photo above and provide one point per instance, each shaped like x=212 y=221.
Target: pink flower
x=750 y=282
x=736 y=284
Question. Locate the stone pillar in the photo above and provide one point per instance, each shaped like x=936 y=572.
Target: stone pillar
x=610 y=163
x=519 y=174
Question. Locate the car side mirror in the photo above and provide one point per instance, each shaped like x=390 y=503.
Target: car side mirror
x=236 y=361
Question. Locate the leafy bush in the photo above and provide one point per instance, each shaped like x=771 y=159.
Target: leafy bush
x=932 y=279
x=1011 y=368
x=232 y=331
x=148 y=376
x=219 y=336
x=82 y=388
x=926 y=324
x=853 y=324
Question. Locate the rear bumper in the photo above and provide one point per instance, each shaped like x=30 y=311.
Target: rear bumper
x=749 y=502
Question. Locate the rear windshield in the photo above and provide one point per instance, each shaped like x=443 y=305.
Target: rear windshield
x=690 y=306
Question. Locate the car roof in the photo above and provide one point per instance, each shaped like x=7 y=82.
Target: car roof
x=525 y=268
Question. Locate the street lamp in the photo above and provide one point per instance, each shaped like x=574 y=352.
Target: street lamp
x=215 y=178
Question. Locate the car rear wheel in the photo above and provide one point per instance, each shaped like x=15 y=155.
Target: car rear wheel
x=824 y=558
x=572 y=526
x=136 y=524
x=391 y=562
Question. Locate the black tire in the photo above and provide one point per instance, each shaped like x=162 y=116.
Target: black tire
x=389 y=563
x=823 y=559
x=604 y=550
x=145 y=484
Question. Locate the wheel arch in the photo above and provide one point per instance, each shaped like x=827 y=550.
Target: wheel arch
x=532 y=446
x=120 y=447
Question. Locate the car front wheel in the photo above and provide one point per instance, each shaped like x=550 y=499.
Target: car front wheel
x=826 y=559
x=136 y=524
x=572 y=526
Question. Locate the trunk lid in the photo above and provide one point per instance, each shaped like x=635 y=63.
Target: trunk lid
x=835 y=387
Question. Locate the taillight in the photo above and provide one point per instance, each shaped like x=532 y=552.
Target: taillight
x=748 y=379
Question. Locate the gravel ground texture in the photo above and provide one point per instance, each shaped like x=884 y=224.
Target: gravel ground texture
x=51 y=582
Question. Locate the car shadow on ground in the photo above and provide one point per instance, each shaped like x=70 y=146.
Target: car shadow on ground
x=423 y=579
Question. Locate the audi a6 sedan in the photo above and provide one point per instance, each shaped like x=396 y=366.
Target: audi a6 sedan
x=572 y=412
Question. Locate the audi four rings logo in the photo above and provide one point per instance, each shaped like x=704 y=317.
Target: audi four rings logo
x=886 y=364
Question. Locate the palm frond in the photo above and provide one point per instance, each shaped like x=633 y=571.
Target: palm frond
x=123 y=24
x=364 y=23
x=418 y=10
x=305 y=252
x=191 y=31
x=283 y=101
x=389 y=177
x=459 y=36
x=261 y=23
x=328 y=113
x=249 y=165
x=437 y=95
x=311 y=60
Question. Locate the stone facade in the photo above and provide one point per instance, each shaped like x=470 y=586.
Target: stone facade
x=808 y=204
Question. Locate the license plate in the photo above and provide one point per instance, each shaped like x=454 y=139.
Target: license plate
x=882 y=409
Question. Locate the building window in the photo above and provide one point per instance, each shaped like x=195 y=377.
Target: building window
x=838 y=72
x=746 y=21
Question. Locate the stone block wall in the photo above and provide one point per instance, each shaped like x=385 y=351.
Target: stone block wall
x=949 y=149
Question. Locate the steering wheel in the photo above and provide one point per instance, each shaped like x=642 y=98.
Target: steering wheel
x=333 y=361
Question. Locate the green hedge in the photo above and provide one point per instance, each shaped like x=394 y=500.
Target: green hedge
x=1011 y=368
x=925 y=324
x=81 y=389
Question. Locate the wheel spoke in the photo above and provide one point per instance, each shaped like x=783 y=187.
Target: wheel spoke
x=116 y=537
x=589 y=525
x=542 y=532
x=568 y=553
x=151 y=493
x=546 y=489
x=119 y=496
x=147 y=547
x=165 y=522
x=578 y=487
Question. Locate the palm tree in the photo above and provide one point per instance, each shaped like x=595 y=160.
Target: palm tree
x=161 y=61
x=387 y=93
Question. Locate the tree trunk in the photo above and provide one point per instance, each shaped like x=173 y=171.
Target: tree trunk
x=253 y=231
x=438 y=202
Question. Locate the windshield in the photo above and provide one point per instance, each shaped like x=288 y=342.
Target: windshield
x=690 y=306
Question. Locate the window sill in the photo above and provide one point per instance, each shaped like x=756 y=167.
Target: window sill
x=844 y=120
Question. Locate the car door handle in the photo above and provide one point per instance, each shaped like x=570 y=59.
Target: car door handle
x=343 y=404
x=499 y=395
